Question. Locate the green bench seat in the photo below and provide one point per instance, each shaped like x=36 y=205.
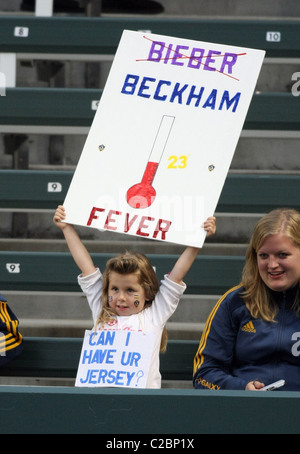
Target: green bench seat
x=59 y=358
x=100 y=36
x=73 y=107
x=57 y=272
x=242 y=193
x=151 y=416
x=147 y=416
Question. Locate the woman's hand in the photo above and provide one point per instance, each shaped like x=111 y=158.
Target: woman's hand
x=254 y=385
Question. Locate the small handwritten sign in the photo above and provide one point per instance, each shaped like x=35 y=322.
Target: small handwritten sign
x=115 y=358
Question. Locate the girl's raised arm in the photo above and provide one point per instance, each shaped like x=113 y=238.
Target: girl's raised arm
x=188 y=256
x=79 y=252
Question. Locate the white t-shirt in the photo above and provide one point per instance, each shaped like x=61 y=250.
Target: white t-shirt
x=149 y=320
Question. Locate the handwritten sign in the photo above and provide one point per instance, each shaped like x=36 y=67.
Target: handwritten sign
x=115 y=358
x=163 y=137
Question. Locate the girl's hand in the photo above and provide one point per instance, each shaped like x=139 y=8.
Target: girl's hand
x=210 y=226
x=59 y=216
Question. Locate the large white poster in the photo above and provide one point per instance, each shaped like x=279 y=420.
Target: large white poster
x=163 y=137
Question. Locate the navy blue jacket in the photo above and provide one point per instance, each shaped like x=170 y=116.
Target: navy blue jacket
x=236 y=348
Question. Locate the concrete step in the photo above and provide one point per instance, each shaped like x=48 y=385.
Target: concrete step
x=275 y=75
x=40 y=327
x=265 y=151
x=54 y=306
x=215 y=8
x=97 y=246
x=234 y=9
x=252 y=152
x=68 y=315
x=76 y=328
x=267 y=154
x=63 y=307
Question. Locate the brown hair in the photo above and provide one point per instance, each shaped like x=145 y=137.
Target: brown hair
x=257 y=294
x=130 y=263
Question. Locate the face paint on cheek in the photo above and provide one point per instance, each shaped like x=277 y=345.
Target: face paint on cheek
x=109 y=299
x=136 y=302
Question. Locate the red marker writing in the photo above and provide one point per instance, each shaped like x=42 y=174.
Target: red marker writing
x=142 y=195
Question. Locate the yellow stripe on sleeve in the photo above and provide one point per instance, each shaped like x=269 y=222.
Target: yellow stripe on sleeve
x=199 y=357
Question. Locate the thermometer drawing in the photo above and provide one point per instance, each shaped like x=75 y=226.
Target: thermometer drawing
x=142 y=195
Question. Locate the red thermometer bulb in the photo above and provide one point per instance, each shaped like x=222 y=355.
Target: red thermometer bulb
x=142 y=195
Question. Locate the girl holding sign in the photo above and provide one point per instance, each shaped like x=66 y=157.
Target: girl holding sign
x=128 y=296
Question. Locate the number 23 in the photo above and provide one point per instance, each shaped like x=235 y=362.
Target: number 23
x=177 y=162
